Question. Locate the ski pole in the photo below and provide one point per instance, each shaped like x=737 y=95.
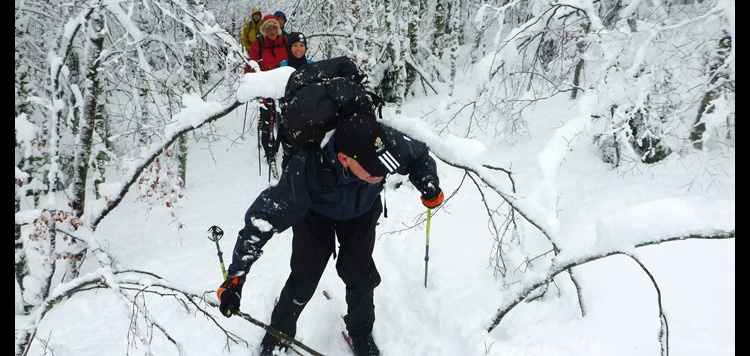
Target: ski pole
x=259 y=169
x=214 y=234
x=244 y=120
x=427 y=246
x=271 y=143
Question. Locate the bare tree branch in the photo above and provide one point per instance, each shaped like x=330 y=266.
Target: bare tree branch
x=536 y=282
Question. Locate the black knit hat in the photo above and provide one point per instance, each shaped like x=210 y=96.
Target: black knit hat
x=295 y=37
x=363 y=138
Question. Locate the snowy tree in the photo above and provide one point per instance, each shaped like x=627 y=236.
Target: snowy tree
x=101 y=91
x=97 y=85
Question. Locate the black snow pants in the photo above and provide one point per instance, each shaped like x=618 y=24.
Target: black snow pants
x=313 y=244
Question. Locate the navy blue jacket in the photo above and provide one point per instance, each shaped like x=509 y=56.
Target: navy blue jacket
x=315 y=180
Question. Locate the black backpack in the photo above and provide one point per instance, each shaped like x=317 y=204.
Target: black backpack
x=321 y=94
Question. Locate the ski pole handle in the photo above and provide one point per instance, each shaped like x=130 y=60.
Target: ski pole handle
x=215 y=234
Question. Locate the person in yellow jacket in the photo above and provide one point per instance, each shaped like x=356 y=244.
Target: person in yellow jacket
x=251 y=29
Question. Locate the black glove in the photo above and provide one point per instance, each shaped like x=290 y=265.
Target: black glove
x=432 y=195
x=229 y=294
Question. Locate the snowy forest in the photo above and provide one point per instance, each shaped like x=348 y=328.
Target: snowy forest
x=105 y=93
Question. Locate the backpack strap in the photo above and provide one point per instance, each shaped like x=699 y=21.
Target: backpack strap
x=256 y=25
x=327 y=177
x=377 y=102
x=260 y=48
x=282 y=45
x=321 y=174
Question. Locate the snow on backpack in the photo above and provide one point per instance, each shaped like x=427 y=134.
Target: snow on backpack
x=321 y=94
